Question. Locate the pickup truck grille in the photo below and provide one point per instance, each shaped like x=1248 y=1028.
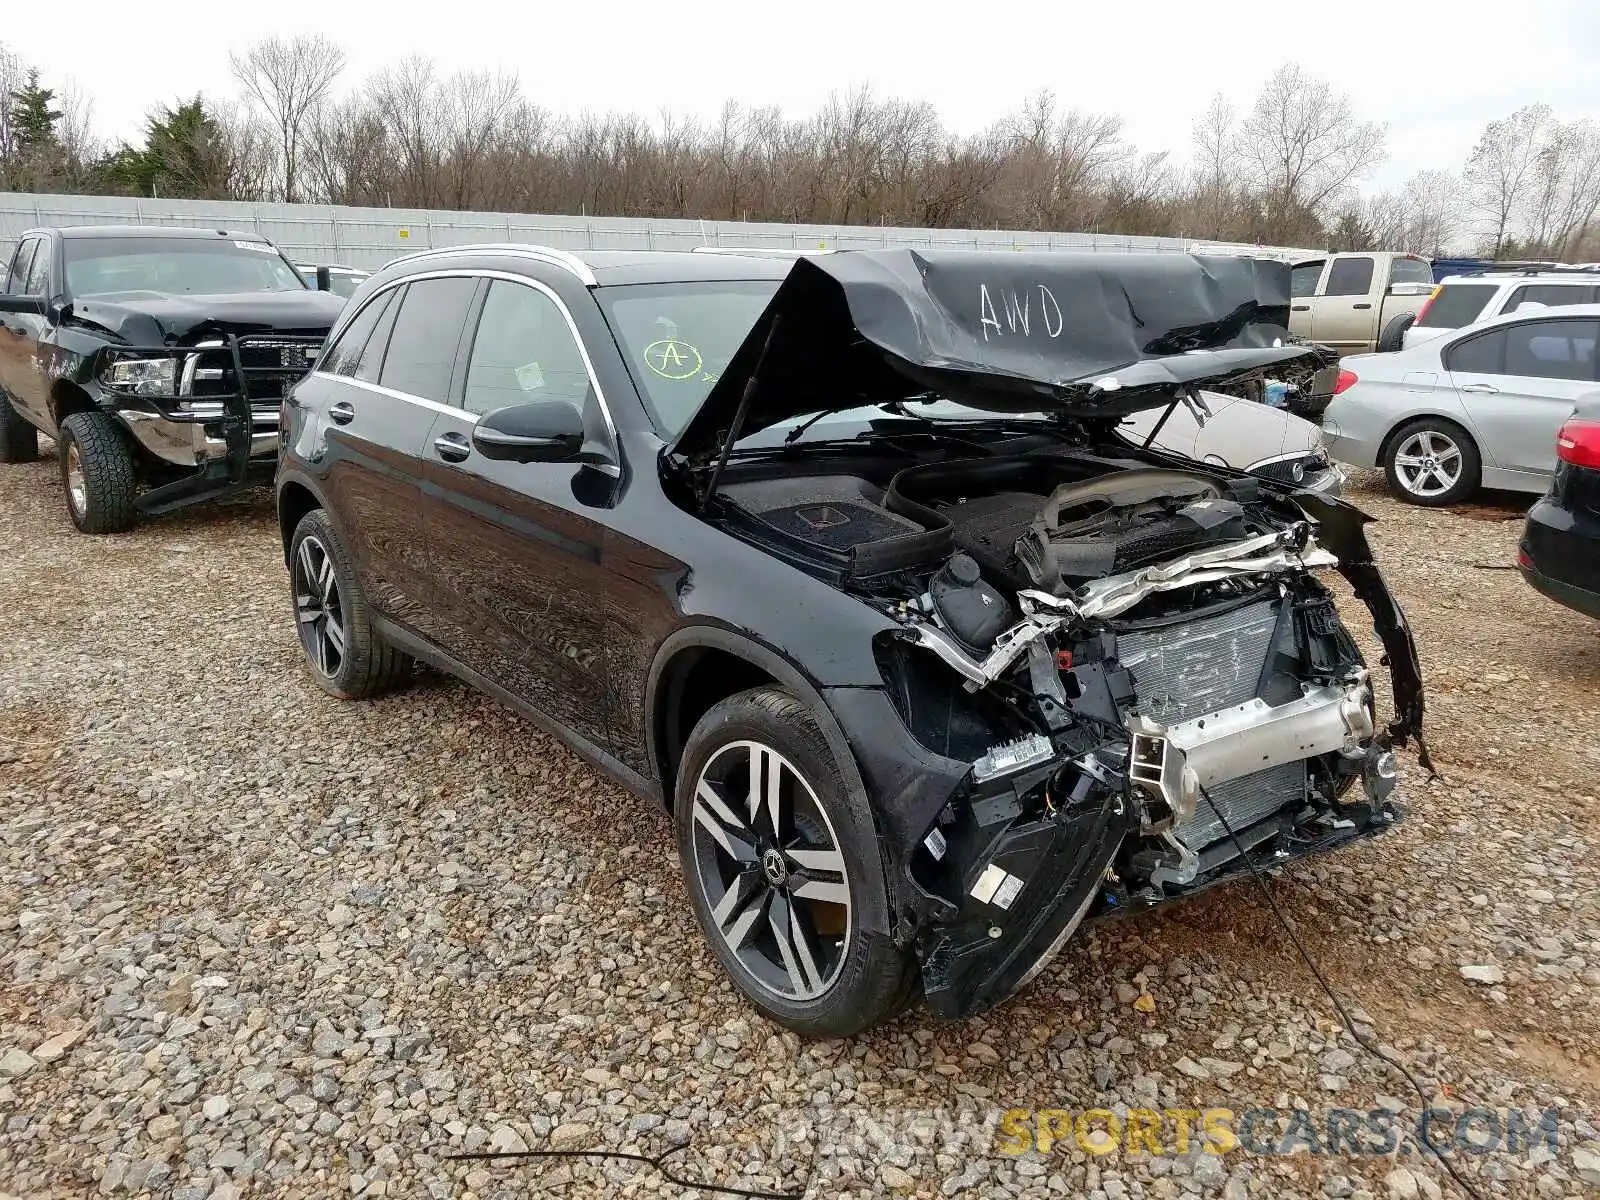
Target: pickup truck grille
x=272 y=365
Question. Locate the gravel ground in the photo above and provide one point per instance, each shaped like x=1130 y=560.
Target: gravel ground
x=257 y=942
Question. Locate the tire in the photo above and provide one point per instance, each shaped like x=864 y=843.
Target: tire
x=1394 y=333
x=1409 y=449
x=347 y=658
x=818 y=982
x=19 y=441
x=98 y=473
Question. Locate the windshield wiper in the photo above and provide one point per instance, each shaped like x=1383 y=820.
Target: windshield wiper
x=795 y=434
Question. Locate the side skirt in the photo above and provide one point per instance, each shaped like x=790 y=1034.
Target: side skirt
x=603 y=761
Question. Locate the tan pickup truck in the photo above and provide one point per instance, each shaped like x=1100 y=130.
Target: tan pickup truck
x=1356 y=303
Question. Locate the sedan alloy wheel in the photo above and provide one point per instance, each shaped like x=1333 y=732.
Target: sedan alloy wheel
x=1428 y=463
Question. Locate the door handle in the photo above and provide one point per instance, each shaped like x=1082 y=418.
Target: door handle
x=452 y=447
x=341 y=412
x=1486 y=388
x=1361 y=306
x=1300 y=308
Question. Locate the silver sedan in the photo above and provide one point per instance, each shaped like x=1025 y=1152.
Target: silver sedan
x=1477 y=407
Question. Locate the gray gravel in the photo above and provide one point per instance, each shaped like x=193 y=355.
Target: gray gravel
x=257 y=942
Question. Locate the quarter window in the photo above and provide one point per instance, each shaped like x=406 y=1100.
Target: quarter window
x=427 y=331
x=523 y=350
x=1350 y=277
x=342 y=357
x=1479 y=355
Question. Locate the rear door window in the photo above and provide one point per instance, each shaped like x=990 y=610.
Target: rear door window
x=1456 y=304
x=1349 y=277
x=1551 y=295
x=427 y=331
x=1303 y=279
x=1552 y=349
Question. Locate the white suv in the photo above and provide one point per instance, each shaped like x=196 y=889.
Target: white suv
x=1467 y=299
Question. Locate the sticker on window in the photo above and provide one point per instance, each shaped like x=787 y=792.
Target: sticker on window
x=261 y=246
x=529 y=377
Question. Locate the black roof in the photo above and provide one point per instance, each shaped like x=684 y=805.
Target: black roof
x=149 y=231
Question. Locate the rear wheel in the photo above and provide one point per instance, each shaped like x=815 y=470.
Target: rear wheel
x=1432 y=461
x=1394 y=333
x=783 y=870
x=19 y=441
x=347 y=657
x=98 y=473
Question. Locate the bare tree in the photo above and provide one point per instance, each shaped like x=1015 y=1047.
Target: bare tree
x=1306 y=148
x=1214 y=134
x=289 y=79
x=1501 y=170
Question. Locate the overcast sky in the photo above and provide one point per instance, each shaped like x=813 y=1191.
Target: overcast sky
x=1435 y=72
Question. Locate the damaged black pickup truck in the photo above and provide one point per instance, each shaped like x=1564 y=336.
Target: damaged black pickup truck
x=156 y=357
x=847 y=562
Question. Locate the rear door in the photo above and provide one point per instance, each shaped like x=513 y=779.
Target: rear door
x=1303 y=280
x=31 y=392
x=1519 y=382
x=1342 y=313
x=16 y=350
x=517 y=548
x=378 y=390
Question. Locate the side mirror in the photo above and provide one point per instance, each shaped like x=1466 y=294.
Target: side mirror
x=324 y=280
x=543 y=431
x=18 y=303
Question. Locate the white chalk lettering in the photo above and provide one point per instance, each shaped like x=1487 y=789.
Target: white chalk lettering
x=986 y=314
x=1047 y=302
x=1016 y=311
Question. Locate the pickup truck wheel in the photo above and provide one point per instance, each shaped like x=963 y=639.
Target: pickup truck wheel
x=347 y=657
x=98 y=473
x=1432 y=461
x=19 y=441
x=783 y=869
x=1394 y=333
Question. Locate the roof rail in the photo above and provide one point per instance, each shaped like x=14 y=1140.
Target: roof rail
x=560 y=258
x=755 y=251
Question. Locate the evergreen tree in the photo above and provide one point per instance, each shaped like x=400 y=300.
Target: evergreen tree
x=32 y=115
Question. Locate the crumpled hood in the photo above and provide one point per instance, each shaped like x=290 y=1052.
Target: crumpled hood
x=156 y=319
x=1088 y=335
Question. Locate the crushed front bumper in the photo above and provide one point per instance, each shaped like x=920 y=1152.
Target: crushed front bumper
x=221 y=420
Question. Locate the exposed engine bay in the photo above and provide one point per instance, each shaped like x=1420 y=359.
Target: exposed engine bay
x=1138 y=661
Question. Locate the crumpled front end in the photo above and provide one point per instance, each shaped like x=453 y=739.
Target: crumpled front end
x=1169 y=720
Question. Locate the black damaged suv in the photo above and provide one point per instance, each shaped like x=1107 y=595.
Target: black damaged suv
x=156 y=357
x=846 y=562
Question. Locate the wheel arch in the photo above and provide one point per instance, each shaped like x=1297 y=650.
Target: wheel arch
x=696 y=668
x=1427 y=414
x=66 y=398
x=296 y=498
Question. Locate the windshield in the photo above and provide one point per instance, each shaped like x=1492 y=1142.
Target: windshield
x=196 y=266
x=678 y=337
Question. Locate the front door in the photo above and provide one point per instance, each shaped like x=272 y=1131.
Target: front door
x=516 y=548
x=1518 y=383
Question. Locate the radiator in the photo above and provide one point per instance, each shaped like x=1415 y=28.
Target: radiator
x=1197 y=667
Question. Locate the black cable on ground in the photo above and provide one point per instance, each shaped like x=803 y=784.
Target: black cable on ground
x=1338 y=1005
x=648 y=1160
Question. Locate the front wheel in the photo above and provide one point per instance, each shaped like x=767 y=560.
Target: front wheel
x=782 y=866
x=1433 y=462
x=98 y=473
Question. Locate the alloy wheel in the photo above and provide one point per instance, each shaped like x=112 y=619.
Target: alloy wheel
x=1428 y=463
x=77 y=490
x=771 y=870
x=316 y=602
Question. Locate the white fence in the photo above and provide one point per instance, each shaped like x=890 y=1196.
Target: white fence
x=370 y=237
